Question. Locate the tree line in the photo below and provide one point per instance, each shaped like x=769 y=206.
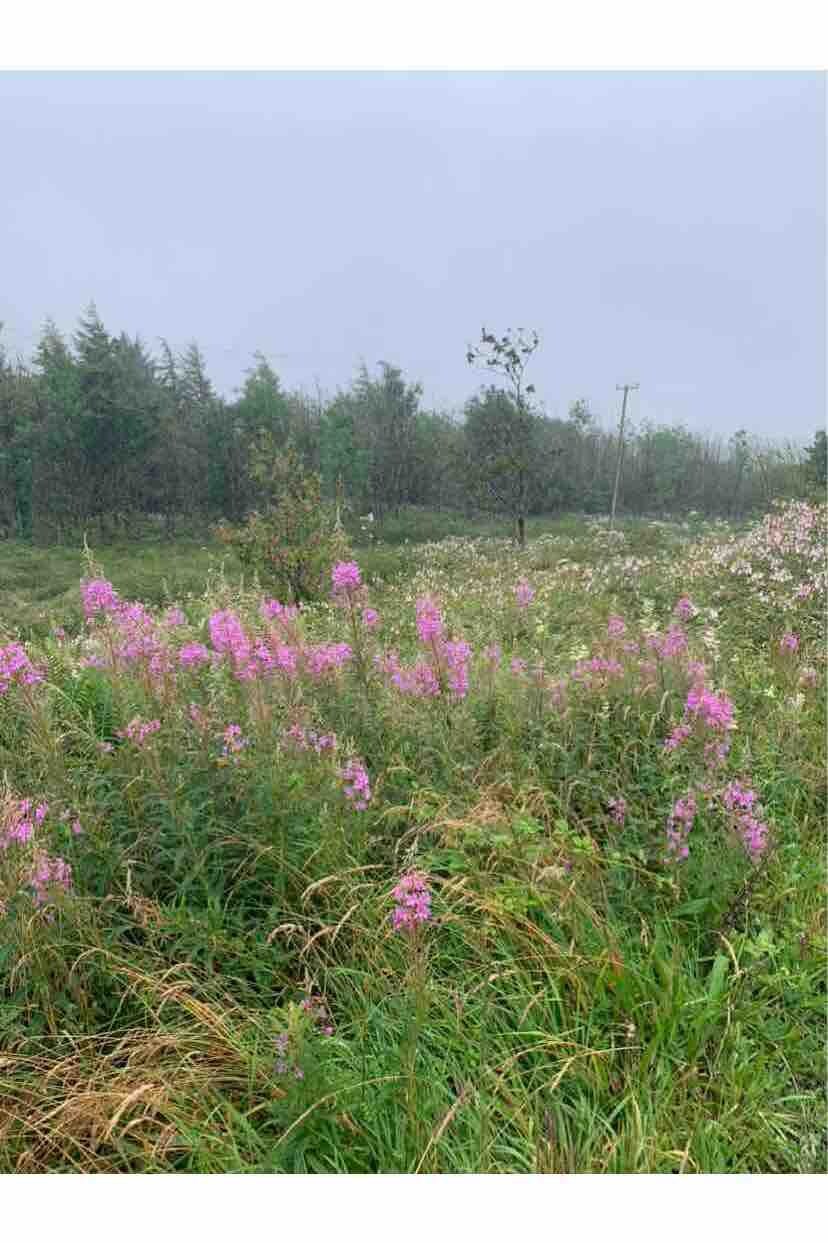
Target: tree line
x=100 y=432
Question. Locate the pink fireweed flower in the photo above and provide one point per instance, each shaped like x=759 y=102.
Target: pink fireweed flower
x=309 y=739
x=679 y=824
x=272 y=609
x=346 y=578
x=233 y=741
x=597 y=671
x=356 y=784
x=263 y=662
x=49 y=873
x=678 y=736
x=175 y=617
x=429 y=621
x=618 y=809
x=742 y=803
x=712 y=708
x=16 y=669
x=287 y=659
x=737 y=797
x=326 y=658
x=616 y=627
x=99 y=596
x=17 y=824
x=457 y=656
x=422 y=681
x=296 y=735
x=675 y=642
x=226 y=632
x=517 y=666
x=413 y=902
x=524 y=594
x=388 y=663
x=754 y=835
x=370 y=618
x=76 y=827
x=789 y=642
x=321 y=742
x=669 y=645
x=138 y=731
x=191 y=655
x=685 y=608
x=131 y=613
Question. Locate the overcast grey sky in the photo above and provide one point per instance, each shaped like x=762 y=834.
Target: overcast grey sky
x=668 y=228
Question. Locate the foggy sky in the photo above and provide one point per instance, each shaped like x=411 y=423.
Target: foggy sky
x=667 y=228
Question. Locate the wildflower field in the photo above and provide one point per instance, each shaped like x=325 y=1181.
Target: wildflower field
x=492 y=861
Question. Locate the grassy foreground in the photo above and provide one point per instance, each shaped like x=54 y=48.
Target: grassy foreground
x=624 y=965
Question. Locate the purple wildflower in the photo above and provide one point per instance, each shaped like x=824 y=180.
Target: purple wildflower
x=413 y=902
x=346 y=578
x=326 y=658
x=679 y=824
x=429 y=621
x=524 y=594
x=48 y=873
x=16 y=668
x=357 y=786
x=137 y=731
x=193 y=654
x=233 y=742
x=457 y=656
x=99 y=596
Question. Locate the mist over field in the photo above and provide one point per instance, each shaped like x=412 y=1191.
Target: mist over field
x=661 y=227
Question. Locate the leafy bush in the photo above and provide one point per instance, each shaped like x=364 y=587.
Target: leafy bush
x=295 y=539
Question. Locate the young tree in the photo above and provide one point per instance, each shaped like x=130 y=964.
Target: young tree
x=817 y=460
x=501 y=425
x=62 y=481
x=18 y=397
x=294 y=539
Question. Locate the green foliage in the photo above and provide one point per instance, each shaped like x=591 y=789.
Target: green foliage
x=505 y=439
x=100 y=438
x=817 y=463
x=295 y=540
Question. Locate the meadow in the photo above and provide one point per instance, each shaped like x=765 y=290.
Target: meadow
x=491 y=860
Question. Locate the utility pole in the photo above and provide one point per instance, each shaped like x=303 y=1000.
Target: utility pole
x=626 y=389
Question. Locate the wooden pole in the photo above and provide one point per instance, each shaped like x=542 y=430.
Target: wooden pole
x=626 y=388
